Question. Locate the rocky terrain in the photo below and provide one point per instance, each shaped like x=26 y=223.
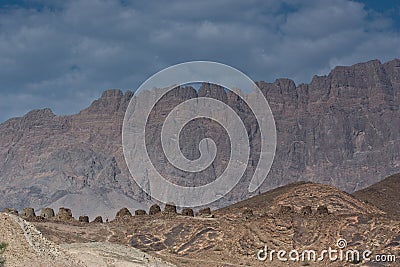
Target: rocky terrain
x=384 y=195
x=341 y=129
x=26 y=246
x=301 y=216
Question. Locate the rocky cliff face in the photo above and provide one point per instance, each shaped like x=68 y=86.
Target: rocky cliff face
x=342 y=129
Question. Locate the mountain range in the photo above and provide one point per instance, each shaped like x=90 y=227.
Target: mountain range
x=341 y=129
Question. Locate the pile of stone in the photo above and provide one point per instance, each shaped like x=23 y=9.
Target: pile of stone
x=123 y=213
x=65 y=214
x=304 y=211
x=154 y=209
x=187 y=212
x=84 y=219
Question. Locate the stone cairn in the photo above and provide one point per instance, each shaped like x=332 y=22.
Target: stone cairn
x=187 y=212
x=98 y=219
x=154 y=209
x=170 y=208
x=124 y=212
x=322 y=210
x=284 y=210
x=28 y=213
x=10 y=211
x=140 y=212
x=247 y=213
x=47 y=213
x=204 y=212
x=306 y=211
x=64 y=214
x=84 y=219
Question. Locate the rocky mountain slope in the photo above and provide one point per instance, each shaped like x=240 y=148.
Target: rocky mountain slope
x=384 y=195
x=341 y=129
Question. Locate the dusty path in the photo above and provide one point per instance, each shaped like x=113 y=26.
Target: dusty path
x=112 y=233
x=99 y=254
x=28 y=247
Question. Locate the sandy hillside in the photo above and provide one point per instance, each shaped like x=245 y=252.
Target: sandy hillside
x=27 y=247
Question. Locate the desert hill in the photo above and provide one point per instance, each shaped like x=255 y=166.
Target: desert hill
x=385 y=195
x=302 y=194
x=286 y=218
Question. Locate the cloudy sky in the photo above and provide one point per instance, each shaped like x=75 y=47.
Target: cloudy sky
x=63 y=54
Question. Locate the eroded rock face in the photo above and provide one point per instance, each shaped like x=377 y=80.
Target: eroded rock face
x=341 y=129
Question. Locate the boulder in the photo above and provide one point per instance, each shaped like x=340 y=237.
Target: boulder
x=47 y=213
x=187 y=212
x=154 y=209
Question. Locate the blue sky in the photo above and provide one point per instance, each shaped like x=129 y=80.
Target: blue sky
x=63 y=54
